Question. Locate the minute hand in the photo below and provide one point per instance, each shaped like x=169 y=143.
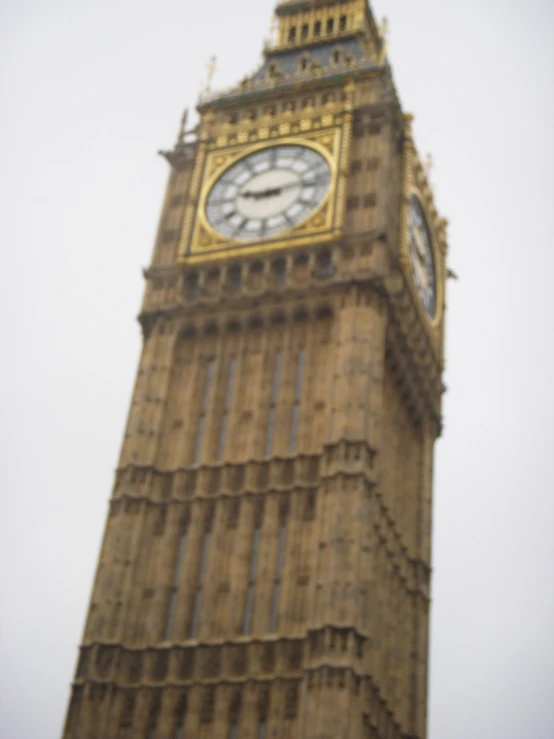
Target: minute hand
x=257 y=195
x=303 y=183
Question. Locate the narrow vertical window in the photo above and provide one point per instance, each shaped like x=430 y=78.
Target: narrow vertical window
x=263 y=702
x=235 y=278
x=200 y=584
x=202 y=419
x=180 y=711
x=251 y=580
x=296 y=404
x=193 y=288
x=279 y=270
x=175 y=585
x=224 y=420
x=153 y=718
x=278 y=576
x=273 y=404
x=234 y=712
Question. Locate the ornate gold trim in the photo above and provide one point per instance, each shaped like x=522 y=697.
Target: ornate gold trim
x=439 y=282
x=201 y=242
x=414 y=182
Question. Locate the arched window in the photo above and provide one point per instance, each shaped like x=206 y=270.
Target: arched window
x=234 y=276
x=193 y=288
x=342 y=23
x=330 y=25
x=279 y=269
x=317 y=28
x=305 y=31
x=292 y=33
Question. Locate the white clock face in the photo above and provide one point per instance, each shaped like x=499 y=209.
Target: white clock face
x=268 y=192
x=421 y=255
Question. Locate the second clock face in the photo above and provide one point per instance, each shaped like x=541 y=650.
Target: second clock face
x=421 y=255
x=268 y=192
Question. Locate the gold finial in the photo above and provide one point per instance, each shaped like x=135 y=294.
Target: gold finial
x=384 y=32
x=211 y=66
x=428 y=163
x=182 y=127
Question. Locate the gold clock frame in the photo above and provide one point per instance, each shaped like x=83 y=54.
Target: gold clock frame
x=415 y=182
x=202 y=243
x=432 y=320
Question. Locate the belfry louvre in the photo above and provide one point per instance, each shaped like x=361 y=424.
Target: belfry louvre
x=265 y=567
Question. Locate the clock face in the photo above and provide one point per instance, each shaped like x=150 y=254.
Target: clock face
x=268 y=192
x=421 y=255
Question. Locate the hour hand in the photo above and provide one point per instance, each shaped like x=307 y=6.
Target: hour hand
x=420 y=246
x=257 y=195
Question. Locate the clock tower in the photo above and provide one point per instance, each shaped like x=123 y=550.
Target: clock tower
x=265 y=568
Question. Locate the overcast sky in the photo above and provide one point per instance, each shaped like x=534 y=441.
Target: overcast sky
x=89 y=91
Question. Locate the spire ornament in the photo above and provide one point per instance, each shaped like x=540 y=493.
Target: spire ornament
x=428 y=164
x=211 y=66
x=183 y=128
x=384 y=33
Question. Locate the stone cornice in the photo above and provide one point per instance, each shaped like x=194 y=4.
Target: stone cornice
x=266 y=87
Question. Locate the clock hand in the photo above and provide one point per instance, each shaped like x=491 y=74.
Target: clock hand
x=421 y=274
x=257 y=195
x=260 y=193
x=420 y=247
x=269 y=192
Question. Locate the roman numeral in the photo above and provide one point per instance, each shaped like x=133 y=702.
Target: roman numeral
x=222 y=201
x=315 y=178
x=288 y=219
x=241 y=225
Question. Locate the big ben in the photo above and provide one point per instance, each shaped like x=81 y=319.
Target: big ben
x=266 y=561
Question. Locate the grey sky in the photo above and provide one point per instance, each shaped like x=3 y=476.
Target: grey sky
x=88 y=93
